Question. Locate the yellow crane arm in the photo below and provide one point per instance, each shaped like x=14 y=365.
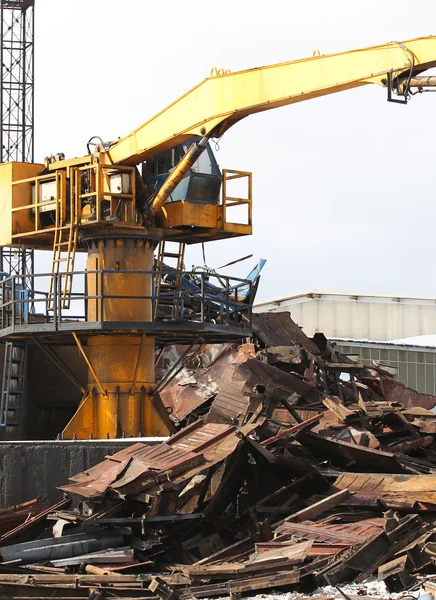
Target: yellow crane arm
x=218 y=102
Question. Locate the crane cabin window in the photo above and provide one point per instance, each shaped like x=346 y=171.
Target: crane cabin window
x=165 y=162
x=201 y=184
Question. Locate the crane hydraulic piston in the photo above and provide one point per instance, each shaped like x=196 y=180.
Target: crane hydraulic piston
x=178 y=174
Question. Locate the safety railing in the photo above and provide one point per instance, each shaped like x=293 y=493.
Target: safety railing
x=244 y=197
x=96 y=299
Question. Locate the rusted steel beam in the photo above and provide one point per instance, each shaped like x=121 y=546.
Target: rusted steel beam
x=315 y=510
x=293 y=430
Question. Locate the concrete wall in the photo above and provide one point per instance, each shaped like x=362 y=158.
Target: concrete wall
x=31 y=469
x=381 y=318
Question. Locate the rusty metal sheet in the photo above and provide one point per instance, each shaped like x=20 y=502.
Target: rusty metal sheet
x=278 y=329
x=321 y=549
x=98 y=486
x=272 y=377
x=187 y=452
x=198 y=382
x=294 y=553
x=393 y=391
x=355 y=434
x=334 y=404
x=292 y=431
x=292 y=355
x=343 y=454
x=12 y=516
x=213 y=454
x=237 y=397
x=29 y=523
x=282 y=556
x=343 y=534
x=231 y=404
x=397 y=488
x=234 y=402
x=318 y=508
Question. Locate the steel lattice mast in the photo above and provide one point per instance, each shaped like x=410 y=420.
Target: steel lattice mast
x=17 y=19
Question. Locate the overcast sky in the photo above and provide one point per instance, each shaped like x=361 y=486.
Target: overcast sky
x=344 y=191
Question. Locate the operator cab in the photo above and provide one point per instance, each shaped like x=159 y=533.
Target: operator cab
x=201 y=184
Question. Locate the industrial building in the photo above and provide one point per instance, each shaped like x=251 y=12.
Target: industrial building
x=396 y=330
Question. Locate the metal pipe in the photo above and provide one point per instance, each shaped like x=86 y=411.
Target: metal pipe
x=177 y=175
x=421 y=81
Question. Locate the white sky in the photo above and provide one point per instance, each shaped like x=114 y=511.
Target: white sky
x=344 y=193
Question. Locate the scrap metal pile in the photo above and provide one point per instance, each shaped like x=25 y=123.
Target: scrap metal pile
x=292 y=466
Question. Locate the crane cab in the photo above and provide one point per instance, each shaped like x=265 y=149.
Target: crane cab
x=201 y=184
x=194 y=202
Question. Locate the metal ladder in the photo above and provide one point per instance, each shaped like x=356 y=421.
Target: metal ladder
x=14 y=371
x=67 y=245
x=168 y=292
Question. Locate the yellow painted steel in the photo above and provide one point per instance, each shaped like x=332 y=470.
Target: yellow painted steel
x=121 y=377
x=15 y=195
x=112 y=407
x=182 y=214
x=219 y=102
x=120 y=296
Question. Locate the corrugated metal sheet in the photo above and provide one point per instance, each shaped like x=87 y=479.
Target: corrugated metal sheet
x=231 y=403
x=193 y=386
x=342 y=533
x=399 y=488
x=278 y=329
x=194 y=448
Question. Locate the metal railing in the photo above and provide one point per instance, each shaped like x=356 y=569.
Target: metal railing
x=204 y=298
x=229 y=201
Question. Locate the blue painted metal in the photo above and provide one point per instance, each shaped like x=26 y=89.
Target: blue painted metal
x=218 y=294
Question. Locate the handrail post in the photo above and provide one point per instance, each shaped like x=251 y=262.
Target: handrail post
x=53 y=299
x=59 y=302
x=227 y=301
x=85 y=294
x=250 y=305
x=203 y=299
x=3 y=304
x=153 y=297
x=101 y=294
x=13 y=302
x=224 y=196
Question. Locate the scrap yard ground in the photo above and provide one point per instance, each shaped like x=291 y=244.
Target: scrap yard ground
x=292 y=470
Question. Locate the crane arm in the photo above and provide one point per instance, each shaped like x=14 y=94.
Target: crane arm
x=217 y=103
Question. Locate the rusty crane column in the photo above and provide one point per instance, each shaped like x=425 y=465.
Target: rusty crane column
x=121 y=374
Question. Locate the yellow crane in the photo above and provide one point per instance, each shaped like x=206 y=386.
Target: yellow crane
x=159 y=183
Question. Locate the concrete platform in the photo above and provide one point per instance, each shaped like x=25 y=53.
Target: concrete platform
x=36 y=468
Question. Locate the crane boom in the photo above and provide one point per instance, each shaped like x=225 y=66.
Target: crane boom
x=218 y=102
